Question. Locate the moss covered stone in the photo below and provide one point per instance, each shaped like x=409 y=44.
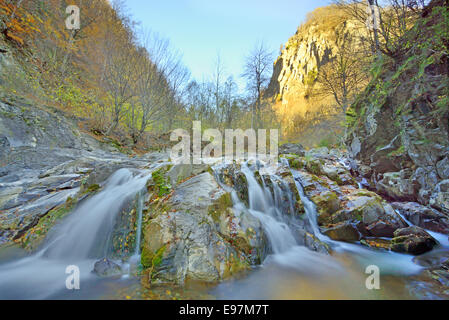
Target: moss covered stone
x=327 y=204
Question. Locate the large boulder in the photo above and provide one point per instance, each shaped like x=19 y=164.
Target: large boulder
x=292 y=148
x=374 y=217
x=398 y=186
x=424 y=217
x=180 y=172
x=106 y=268
x=344 y=231
x=440 y=197
x=412 y=240
x=327 y=203
x=196 y=234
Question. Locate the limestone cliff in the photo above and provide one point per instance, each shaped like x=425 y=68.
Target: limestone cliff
x=312 y=46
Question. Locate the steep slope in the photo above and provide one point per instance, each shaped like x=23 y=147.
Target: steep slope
x=399 y=126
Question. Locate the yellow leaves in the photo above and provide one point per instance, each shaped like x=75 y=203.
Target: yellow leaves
x=18 y=22
x=15 y=38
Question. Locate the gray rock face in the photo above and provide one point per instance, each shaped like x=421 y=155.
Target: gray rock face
x=344 y=231
x=443 y=168
x=181 y=172
x=291 y=148
x=45 y=161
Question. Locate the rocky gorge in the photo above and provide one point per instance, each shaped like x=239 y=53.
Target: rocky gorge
x=165 y=225
x=124 y=222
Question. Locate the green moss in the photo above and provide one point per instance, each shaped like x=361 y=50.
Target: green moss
x=152 y=260
x=158 y=256
x=92 y=188
x=400 y=151
x=297 y=164
x=220 y=206
x=314 y=166
x=162 y=186
x=34 y=237
x=146 y=258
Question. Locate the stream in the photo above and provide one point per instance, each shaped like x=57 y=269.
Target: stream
x=291 y=271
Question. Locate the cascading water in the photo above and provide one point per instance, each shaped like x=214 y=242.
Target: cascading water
x=294 y=271
x=262 y=206
x=81 y=239
x=139 y=210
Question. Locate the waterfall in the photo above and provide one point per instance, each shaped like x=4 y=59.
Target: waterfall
x=80 y=239
x=139 y=209
x=389 y=262
x=310 y=209
x=262 y=206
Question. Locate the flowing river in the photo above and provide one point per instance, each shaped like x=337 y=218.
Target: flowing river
x=291 y=270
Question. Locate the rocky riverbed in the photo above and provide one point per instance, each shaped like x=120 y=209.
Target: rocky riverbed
x=66 y=196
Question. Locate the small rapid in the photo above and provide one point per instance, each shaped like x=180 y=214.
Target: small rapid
x=299 y=271
x=80 y=239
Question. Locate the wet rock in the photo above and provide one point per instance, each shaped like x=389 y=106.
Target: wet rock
x=373 y=216
x=365 y=171
x=344 y=231
x=198 y=235
x=327 y=203
x=440 y=197
x=106 y=268
x=292 y=148
x=382 y=229
x=424 y=217
x=337 y=173
x=433 y=259
x=181 y=172
x=397 y=186
x=311 y=242
x=412 y=240
x=443 y=168
x=376 y=243
x=361 y=205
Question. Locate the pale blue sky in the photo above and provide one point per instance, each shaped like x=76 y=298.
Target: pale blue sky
x=201 y=28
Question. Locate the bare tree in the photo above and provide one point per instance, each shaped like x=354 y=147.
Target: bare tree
x=344 y=75
x=218 y=75
x=119 y=75
x=390 y=19
x=257 y=72
x=229 y=104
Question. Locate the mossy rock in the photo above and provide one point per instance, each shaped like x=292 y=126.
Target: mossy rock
x=161 y=186
x=327 y=203
x=220 y=206
x=152 y=259
x=314 y=166
x=36 y=235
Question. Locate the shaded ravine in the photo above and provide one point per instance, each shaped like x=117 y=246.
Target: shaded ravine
x=81 y=239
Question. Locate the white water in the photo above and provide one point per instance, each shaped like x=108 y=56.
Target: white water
x=294 y=271
x=286 y=251
x=81 y=239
